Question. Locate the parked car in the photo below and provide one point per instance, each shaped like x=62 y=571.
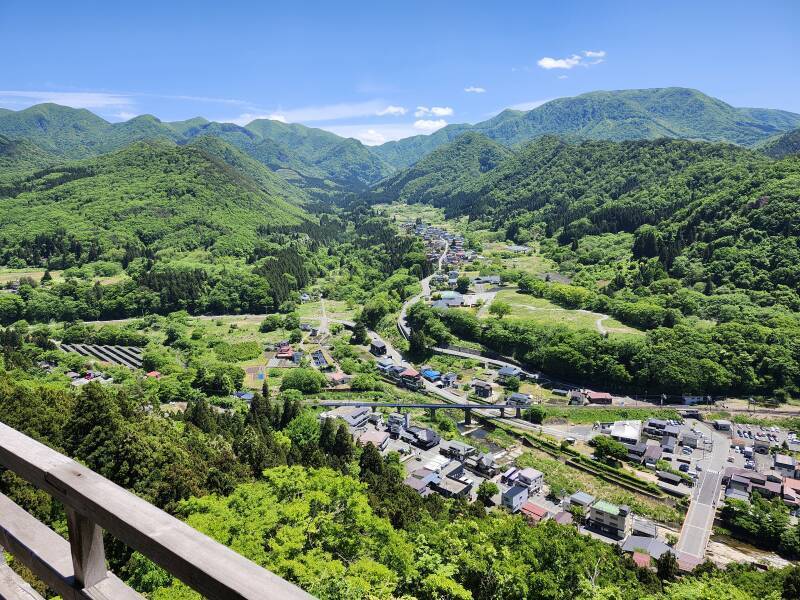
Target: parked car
x=684 y=468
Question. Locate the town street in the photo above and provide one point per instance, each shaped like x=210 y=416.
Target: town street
x=697 y=526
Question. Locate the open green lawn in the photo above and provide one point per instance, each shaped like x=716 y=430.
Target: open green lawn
x=540 y=310
x=9 y=275
x=411 y=212
x=335 y=309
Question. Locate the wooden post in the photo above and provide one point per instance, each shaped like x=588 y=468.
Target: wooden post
x=88 y=555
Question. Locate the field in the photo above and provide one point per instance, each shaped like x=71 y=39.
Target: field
x=9 y=275
x=532 y=263
x=334 y=309
x=541 y=311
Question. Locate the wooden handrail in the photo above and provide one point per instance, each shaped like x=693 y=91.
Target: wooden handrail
x=95 y=503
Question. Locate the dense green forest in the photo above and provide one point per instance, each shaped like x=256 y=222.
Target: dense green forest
x=781 y=145
x=20 y=156
x=148 y=196
x=446 y=168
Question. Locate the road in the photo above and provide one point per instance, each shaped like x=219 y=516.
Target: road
x=697 y=527
x=404 y=329
x=323 y=321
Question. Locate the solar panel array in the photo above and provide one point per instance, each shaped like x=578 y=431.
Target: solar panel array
x=127 y=356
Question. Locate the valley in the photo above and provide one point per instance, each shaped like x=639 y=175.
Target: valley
x=565 y=336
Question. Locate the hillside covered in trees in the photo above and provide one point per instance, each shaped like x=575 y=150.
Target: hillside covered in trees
x=311 y=156
x=146 y=197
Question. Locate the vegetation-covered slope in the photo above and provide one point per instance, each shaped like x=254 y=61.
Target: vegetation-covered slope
x=616 y=115
x=311 y=156
x=560 y=182
x=64 y=131
x=343 y=159
x=449 y=166
x=781 y=145
x=145 y=197
x=21 y=155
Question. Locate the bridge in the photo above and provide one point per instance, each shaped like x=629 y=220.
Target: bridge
x=76 y=568
x=432 y=407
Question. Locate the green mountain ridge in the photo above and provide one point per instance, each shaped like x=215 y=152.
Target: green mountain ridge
x=449 y=166
x=147 y=197
x=18 y=156
x=312 y=156
x=614 y=115
x=782 y=145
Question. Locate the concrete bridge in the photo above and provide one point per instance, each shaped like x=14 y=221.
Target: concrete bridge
x=76 y=568
x=431 y=407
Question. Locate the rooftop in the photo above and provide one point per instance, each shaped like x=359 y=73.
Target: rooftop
x=606 y=507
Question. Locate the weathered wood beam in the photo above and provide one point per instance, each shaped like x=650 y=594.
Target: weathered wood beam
x=213 y=570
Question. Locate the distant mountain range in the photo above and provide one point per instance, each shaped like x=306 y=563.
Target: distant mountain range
x=326 y=164
x=310 y=157
x=617 y=116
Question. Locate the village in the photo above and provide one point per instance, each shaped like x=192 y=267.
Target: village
x=681 y=462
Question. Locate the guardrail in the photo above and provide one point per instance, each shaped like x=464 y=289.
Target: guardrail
x=76 y=569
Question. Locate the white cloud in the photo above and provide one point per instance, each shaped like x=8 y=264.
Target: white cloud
x=371 y=137
x=329 y=112
x=394 y=111
x=562 y=76
x=436 y=111
x=575 y=60
x=73 y=99
x=125 y=116
x=474 y=90
x=373 y=134
x=559 y=63
x=429 y=124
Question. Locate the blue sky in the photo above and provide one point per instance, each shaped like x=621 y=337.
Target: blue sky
x=379 y=71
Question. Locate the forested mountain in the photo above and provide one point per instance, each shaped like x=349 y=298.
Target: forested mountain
x=450 y=166
x=314 y=158
x=21 y=155
x=615 y=115
x=781 y=145
x=343 y=159
x=556 y=182
x=64 y=131
x=146 y=197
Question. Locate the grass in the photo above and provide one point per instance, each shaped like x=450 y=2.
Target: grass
x=543 y=312
x=411 y=212
x=532 y=263
x=583 y=416
x=335 y=309
x=9 y=275
x=569 y=480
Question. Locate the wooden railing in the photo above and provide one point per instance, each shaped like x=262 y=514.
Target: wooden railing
x=76 y=569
